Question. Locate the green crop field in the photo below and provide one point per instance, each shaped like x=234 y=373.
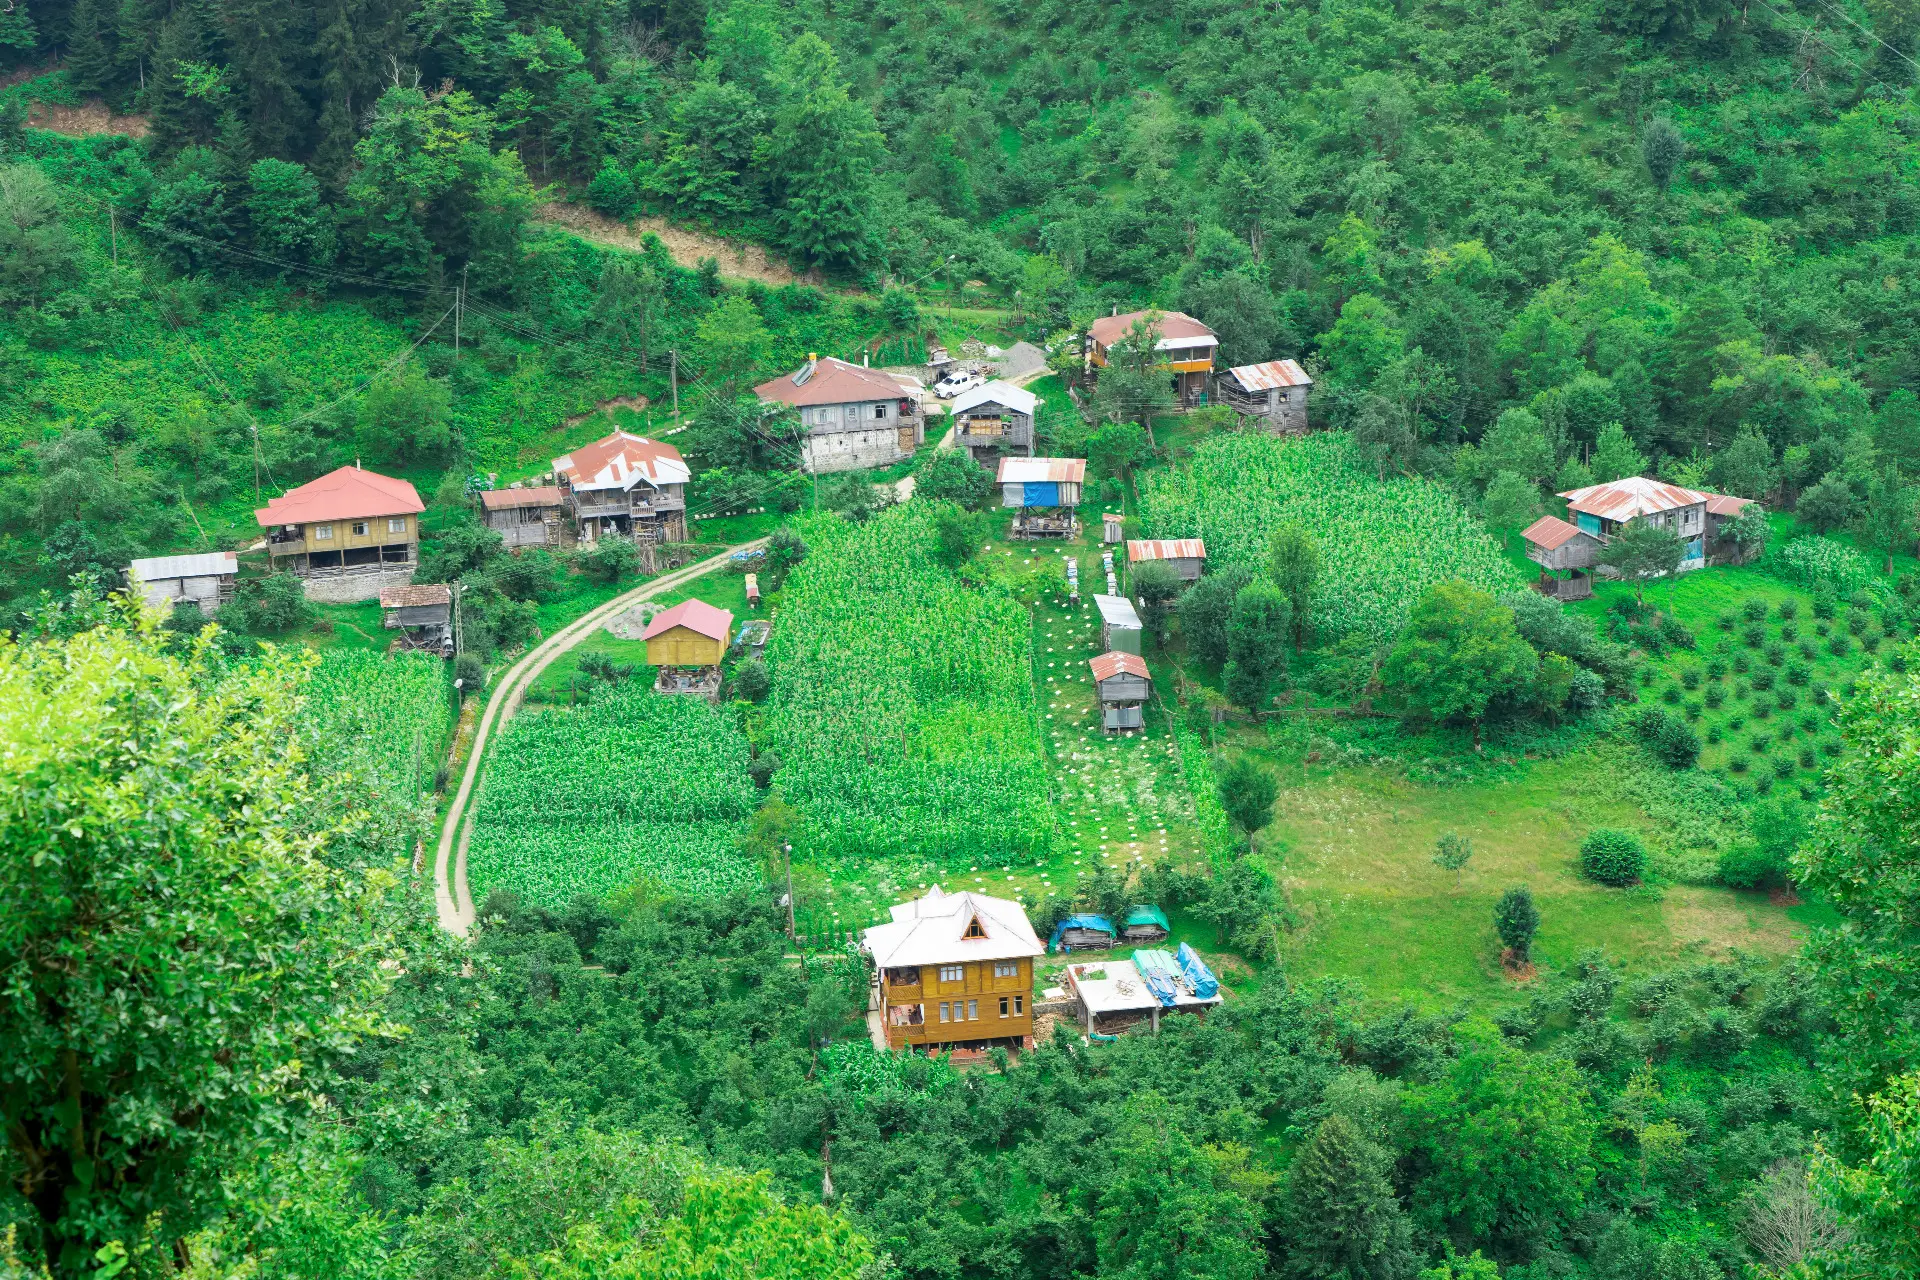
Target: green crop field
x=379 y=729
x=630 y=789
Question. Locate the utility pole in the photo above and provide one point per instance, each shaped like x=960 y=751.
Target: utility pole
x=789 y=852
x=256 y=463
x=673 y=376
x=113 y=234
x=459 y=308
x=459 y=632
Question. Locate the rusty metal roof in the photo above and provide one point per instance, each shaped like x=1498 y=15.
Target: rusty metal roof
x=694 y=615
x=1177 y=329
x=539 y=495
x=1720 y=504
x=1622 y=500
x=1166 y=549
x=621 y=460
x=1115 y=663
x=1550 y=532
x=344 y=494
x=415 y=597
x=1040 y=470
x=1271 y=375
x=830 y=381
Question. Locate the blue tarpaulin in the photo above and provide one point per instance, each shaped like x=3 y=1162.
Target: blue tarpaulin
x=1040 y=493
x=1096 y=924
x=1199 y=977
x=1161 y=974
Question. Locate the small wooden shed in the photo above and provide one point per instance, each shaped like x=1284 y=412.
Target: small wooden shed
x=422 y=614
x=205 y=579
x=1564 y=552
x=691 y=634
x=528 y=516
x=1187 y=557
x=1123 y=684
x=1275 y=391
x=1119 y=624
x=1145 y=923
x=1043 y=493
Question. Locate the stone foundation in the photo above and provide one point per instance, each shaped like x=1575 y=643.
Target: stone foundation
x=834 y=451
x=349 y=588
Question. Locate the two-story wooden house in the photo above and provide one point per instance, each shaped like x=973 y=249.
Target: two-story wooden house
x=349 y=521
x=1274 y=393
x=854 y=417
x=1599 y=511
x=992 y=420
x=625 y=485
x=955 y=970
x=1185 y=346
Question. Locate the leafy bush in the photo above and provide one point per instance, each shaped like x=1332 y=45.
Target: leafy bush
x=1613 y=857
x=1715 y=695
x=1820 y=562
x=1670 y=740
x=1748 y=865
x=1755 y=609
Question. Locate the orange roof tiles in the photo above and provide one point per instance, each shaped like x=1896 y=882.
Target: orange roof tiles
x=346 y=494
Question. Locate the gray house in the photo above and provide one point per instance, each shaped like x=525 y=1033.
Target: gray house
x=855 y=417
x=1119 y=624
x=525 y=515
x=994 y=419
x=1123 y=684
x=1275 y=391
x=422 y=614
x=206 y=579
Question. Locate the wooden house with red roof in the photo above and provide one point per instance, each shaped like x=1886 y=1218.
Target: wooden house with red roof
x=1186 y=346
x=854 y=417
x=686 y=644
x=623 y=485
x=348 y=521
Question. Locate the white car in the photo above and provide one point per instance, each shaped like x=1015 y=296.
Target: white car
x=954 y=383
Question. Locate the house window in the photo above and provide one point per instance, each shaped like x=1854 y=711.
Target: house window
x=398 y=524
x=907 y=977
x=951 y=972
x=1003 y=1006
x=943 y=1011
x=1005 y=969
x=975 y=929
x=1019 y=1005
x=973 y=1010
x=323 y=533
x=359 y=528
x=880 y=411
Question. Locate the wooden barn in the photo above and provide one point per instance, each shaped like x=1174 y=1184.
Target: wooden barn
x=1043 y=492
x=1721 y=509
x=1187 y=557
x=994 y=419
x=1564 y=553
x=205 y=579
x=687 y=644
x=1119 y=624
x=1274 y=393
x=1123 y=684
x=525 y=515
x=423 y=615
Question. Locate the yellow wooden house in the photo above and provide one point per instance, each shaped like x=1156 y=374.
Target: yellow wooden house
x=953 y=971
x=691 y=634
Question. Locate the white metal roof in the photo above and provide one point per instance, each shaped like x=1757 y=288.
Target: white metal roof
x=931 y=930
x=210 y=564
x=1117 y=611
x=1117 y=986
x=1040 y=470
x=996 y=392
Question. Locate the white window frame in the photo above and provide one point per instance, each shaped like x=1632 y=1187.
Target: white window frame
x=880 y=411
x=973 y=1011
x=943 y=1011
x=323 y=533
x=953 y=973
x=398 y=524
x=1006 y=969
x=1019 y=1006
x=361 y=528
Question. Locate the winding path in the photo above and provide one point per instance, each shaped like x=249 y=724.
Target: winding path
x=454 y=903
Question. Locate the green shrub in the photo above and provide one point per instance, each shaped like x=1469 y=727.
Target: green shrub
x=1870 y=642
x=1691 y=708
x=1789 y=609
x=1690 y=677
x=1798 y=674
x=1856 y=620
x=1762 y=784
x=1736 y=723
x=1738 y=764
x=1783 y=767
x=1761 y=710
x=1776 y=653
x=1789 y=631
x=1670 y=695
x=1669 y=739
x=1753 y=637
x=1823 y=599
x=1807 y=649
x=1749 y=866
x=1717 y=668
x=1839 y=646
x=1763 y=678
x=1715 y=695
x=1742 y=664
x=1725 y=622
x=1807 y=758
x=1715 y=733
x=1759 y=743
x=1611 y=856
x=1755 y=610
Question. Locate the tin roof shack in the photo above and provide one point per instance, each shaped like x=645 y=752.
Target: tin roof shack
x=206 y=580
x=348 y=523
x=854 y=417
x=1186 y=345
x=1564 y=555
x=524 y=515
x=687 y=644
x=1275 y=393
x=1187 y=557
x=993 y=420
x=1123 y=684
x=1145 y=923
x=1116 y=994
x=1602 y=510
x=1722 y=549
x=423 y=615
x=1119 y=624
x=954 y=970
x=625 y=485
x=1043 y=493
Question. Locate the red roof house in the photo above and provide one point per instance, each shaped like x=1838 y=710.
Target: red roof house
x=691 y=634
x=347 y=494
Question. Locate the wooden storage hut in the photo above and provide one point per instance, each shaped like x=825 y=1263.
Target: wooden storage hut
x=422 y=614
x=1145 y=923
x=1119 y=624
x=994 y=419
x=1564 y=553
x=1083 y=931
x=1275 y=393
x=524 y=515
x=205 y=579
x=1187 y=557
x=1721 y=509
x=1043 y=493
x=1123 y=684
x=686 y=644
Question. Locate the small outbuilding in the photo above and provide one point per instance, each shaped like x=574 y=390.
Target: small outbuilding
x=423 y=615
x=687 y=644
x=1187 y=557
x=206 y=579
x=1119 y=624
x=1123 y=684
x=1564 y=553
x=994 y=419
x=1722 y=509
x=1114 y=995
x=1145 y=923
x=525 y=515
x=1083 y=931
x=1275 y=393
x=1043 y=492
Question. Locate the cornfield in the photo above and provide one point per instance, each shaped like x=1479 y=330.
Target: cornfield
x=633 y=787
x=377 y=729
x=1382 y=544
x=902 y=707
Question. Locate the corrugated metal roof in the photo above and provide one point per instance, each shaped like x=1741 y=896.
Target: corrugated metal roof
x=1549 y=532
x=1018 y=399
x=1622 y=500
x=539 y=495
x=1177 y=329
x=416 y=597
x=206 y=564
x=1721 y=504
x=931 y=931
x=1040 y=470
x=830 y=381
x=1109 y=665
x=1166 y=549
x=694 y=615
x=620 y=461
x=1271 y=375
x=346 y=494
x=1117 y=611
